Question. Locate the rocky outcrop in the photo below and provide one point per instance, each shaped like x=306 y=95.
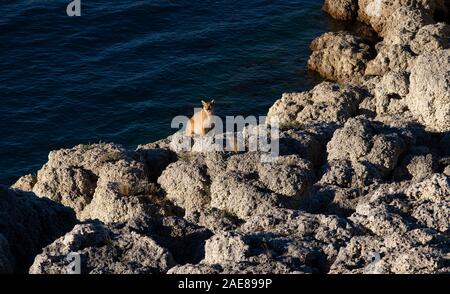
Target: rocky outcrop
x=327 y=103
x=140 y=246
x=100 y=251
x=361 y=183
x=431 y=38
x=362 y=153
x=101 y=181
x=244 y=185
x=408 y=234
x=282 y=242
x=341 y=9
x=28 y=223
x=340 y=56
x=429 y=96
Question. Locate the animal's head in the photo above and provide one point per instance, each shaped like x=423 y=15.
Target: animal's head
x=208 y=106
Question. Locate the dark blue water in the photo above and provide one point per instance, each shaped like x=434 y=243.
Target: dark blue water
x=124 y=69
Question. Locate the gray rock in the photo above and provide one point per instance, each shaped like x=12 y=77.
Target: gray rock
x=103 y=251
x=429 y=95
x=431 y=38
x=361 y=153
x=102 y=181
x=327 y=102
x=340 y=56
x=25 y=183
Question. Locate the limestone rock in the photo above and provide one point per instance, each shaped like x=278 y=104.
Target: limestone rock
x=429 y=95
x=25 y=183
x=340 y=56
x=362 y=152
x=103 y=251
x=390 y=58
x=102 y=181
x=187 y=185
x=341 y=9
x=327 y=102
x=431 y=38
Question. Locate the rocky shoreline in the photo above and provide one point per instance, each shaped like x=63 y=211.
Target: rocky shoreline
x=362 y=184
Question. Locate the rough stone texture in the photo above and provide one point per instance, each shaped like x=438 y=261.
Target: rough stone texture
x=28 y=223
x=241 y=196
x=378 y=13
x=244 y=186
x=429 y=95
x=362 y=153
x=102 y=181
x=25 y=183
x=103 y=251
x=390 y=58
x=402 y=234
x=362 y=183
x=341 y=9
x=340 y=56
x=186 y=185
x=281 y=242
x=327 y=102
x=403 y=25
x=390 y=93
x=431 y=38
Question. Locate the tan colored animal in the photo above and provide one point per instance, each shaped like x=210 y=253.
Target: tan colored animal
x=202 y=121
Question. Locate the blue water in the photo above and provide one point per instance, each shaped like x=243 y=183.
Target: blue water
x=124 y=69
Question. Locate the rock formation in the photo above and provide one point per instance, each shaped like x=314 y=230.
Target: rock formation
x=362 y=183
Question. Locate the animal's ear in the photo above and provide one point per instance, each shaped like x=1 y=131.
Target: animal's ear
x=213 y=102
x=203 y=103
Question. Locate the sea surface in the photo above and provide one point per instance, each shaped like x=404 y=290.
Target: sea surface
x=123 y=69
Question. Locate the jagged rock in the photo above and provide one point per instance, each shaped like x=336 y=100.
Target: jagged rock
x=390 y=58
x=27 y=224
x=225 y=248
x=245 y=185
x=102 y=181
x=362 y=153
x=283 y=242
x=435 y=188
x=254 y=265
x=213 y=219
x=390 y=93
x=417 y=166
x=156 y=159
x=185 y=240
x=340 y=56
x=398 y=239
x=335 y=199
x=431 y=38
x=242 y=196
x=434 y=215
x=25 y=183
x=327 y=102
x=429 y=95
x=318 y=236
x=378 y=13
x=403 y=25
x=341 y=9
x=187 y=185
x=288 y=175
x=400 y=254
x=103 y=251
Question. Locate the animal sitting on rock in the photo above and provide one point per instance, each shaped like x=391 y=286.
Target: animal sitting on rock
x=202 y=121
